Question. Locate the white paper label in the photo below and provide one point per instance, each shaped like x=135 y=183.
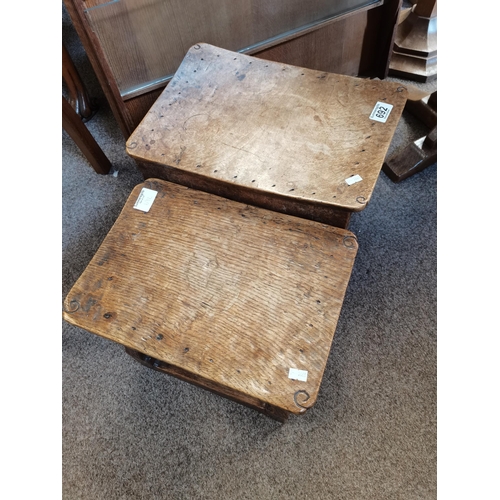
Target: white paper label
x=381 y=112
x=145 y=199
x=295 y=374
x=353 y=179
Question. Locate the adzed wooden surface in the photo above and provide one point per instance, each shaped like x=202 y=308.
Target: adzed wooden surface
x=231 y=295
x=270 y=134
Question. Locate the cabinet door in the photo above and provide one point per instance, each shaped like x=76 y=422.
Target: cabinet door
x=146 y=40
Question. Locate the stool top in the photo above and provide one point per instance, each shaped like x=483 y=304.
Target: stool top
x=268 y=126
x=231 y=293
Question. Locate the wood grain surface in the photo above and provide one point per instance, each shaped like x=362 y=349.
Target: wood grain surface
x=272 y=128
x=226 y=292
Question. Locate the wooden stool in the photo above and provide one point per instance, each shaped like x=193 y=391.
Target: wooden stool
x=236 y=299
x=288 y=139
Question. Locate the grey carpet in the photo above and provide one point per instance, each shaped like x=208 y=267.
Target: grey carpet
x=131 y=433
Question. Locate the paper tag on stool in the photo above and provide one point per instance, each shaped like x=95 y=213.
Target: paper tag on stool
x=295 y=374
x=145 y=199
x=381 y=112
x=353 y=179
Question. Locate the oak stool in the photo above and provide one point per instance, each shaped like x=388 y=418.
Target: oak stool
x=237 y=299
x=289 y=139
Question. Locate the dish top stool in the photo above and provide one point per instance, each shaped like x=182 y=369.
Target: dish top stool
x=292 y=140
x=239 y=300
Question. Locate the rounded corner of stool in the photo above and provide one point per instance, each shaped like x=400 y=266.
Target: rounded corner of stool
x=197 y=46
x=350 y=240
x=130 y=145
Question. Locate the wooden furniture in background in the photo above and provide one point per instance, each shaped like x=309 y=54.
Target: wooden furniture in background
x=220 y=294
x=78 y=96
x=76 y=109
x=281 y=137
x=421 y=153
x=353 y=37
x=414 y=55
x=76 y=129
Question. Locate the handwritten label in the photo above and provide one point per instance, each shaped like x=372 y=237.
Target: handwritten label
x=295 y=374
x=145 y=199
x=353 y=179
x=381 y=112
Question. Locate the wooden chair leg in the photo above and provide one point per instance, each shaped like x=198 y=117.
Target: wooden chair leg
x=421 y=153
x=78 y=96
x=414 y=158
x=77 y=130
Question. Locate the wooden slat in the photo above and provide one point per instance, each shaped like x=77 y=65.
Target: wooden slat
x=228 y=293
